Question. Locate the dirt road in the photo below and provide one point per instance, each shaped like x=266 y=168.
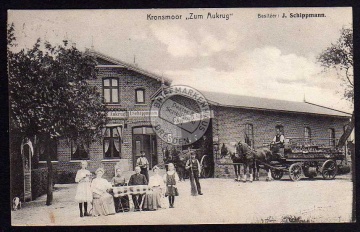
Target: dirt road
x=224 y=201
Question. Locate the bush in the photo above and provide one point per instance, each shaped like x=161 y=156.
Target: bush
x=66 y=178
x=38 y=182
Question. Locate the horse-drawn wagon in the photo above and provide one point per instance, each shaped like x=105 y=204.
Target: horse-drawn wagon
x=307 y=158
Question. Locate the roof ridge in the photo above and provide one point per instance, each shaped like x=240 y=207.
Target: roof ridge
x=326 y=107
x=239 y=95
x=237 y=100
x=127 y=65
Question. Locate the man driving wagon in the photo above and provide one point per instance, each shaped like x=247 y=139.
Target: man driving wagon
x=277 y=145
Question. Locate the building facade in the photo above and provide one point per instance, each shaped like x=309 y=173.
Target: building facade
x=128 y=92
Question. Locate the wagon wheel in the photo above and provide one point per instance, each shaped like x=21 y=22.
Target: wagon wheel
x=205 y=163
x=295 y=171
x=277 y=174
x=329 y=169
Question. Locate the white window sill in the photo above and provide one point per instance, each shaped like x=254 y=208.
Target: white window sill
x=110 y=160
x=140 y=104
x=78 y=161
x=44 y=162
x=112 y=104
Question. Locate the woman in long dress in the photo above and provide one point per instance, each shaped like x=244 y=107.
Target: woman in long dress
x=153 y=200
x=83 y=190
x=103 y=202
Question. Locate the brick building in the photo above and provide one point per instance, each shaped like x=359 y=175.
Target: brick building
x=254 y=121
x=128 y=92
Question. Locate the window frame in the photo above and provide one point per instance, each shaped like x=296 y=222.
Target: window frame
x=249 y=134
x=136 y=95
x=331 y=134
x=112 y=140
x=72 y=152
x=307 y=134
x=281 y=127
x=53 y=146
x=111 y=88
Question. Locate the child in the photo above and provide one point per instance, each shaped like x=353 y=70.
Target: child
x=83 y=191
x=170 y=179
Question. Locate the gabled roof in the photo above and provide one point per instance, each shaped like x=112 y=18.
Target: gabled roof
x=109 y=61
x=224 y=99
x=231 y=100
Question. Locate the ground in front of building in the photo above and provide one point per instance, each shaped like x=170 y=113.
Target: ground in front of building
x=224 y=201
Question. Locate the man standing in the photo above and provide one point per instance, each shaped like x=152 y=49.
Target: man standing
x=278 y=143
x=143 y=163
x=137 y=179
x=194 y=165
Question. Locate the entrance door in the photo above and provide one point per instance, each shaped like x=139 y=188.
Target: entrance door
x=144 y=139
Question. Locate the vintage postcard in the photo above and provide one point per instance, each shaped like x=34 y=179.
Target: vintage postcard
x=181 y=116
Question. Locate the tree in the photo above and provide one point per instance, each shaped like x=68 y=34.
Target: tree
x=50 y=96
x=339 y=57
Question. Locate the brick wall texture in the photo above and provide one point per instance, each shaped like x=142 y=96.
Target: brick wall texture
x=128 y=82
x=229 y=126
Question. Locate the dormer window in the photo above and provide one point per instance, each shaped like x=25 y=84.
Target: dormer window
x=139 y=96
x=111 y=90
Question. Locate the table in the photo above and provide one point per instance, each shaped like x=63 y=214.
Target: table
x=132 y=190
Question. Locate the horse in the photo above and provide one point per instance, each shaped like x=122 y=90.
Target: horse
x=179 y=162
x=237 y=166
x=252 y=158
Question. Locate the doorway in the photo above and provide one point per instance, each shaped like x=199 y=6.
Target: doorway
x=144 y=139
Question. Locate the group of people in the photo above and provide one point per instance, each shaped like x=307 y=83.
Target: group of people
x=99 y=191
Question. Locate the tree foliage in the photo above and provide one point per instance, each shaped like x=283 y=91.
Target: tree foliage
x=49 y=92
x=50 y=95
x=339 y=56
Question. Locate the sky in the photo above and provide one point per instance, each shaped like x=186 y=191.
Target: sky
x=244 y=55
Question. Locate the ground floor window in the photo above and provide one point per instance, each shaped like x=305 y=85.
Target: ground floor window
x=52 y=151
x=249 y=134
x=79 y=151
x=331 y=132
x=112 y=142
x=281 y=128
x=307 y=134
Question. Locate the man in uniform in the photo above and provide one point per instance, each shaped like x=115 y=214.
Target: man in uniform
x=194 y=165
x=278 y=144
x=143 y=163
x=137 y=179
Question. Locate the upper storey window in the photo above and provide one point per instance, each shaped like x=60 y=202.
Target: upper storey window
x=140 y=96
x=111 y=90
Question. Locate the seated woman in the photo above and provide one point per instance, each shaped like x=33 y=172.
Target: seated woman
x=153 y=200
x=121 y=203
x=103 y=202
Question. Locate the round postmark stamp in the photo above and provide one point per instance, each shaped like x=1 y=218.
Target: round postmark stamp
x=183 y=115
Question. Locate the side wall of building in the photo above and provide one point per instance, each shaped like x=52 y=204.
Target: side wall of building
x=229 y=127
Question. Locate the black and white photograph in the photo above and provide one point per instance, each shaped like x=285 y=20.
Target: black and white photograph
x=181 y=116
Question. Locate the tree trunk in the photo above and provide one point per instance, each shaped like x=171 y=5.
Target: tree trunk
x=35 y=158
x=347 y=132
x=49 y=194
